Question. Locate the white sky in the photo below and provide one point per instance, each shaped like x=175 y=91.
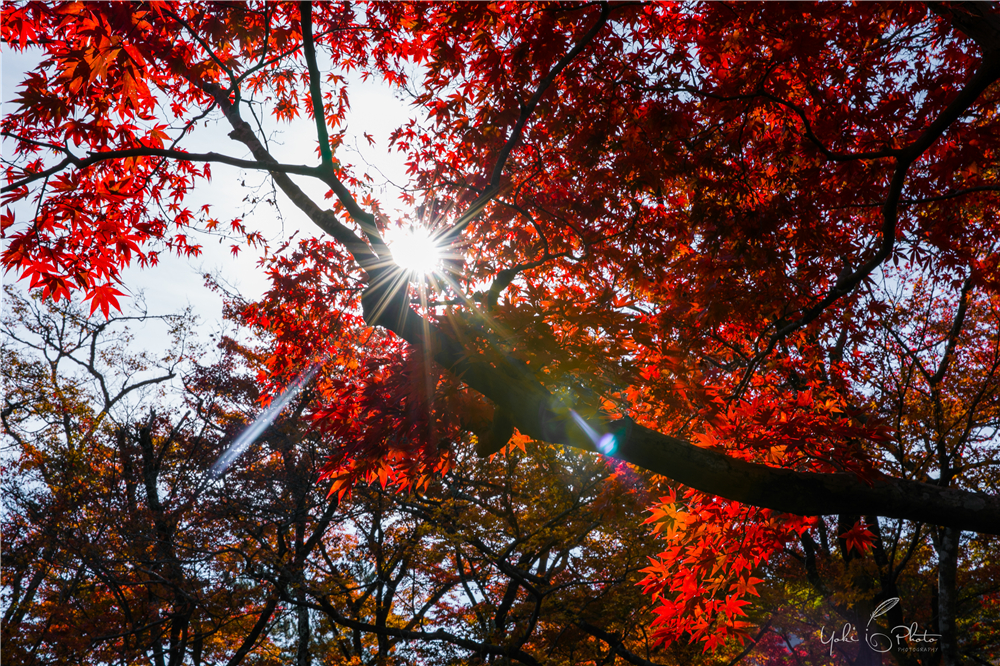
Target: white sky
x=176 y=283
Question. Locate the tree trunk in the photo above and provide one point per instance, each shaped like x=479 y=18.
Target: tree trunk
x=302 y=657
x=946 y=544
x=862 y=610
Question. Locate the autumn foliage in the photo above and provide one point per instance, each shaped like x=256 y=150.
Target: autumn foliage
x=751 y=250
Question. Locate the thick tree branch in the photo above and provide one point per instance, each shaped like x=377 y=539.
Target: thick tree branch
x=537 y=413
x=808 y=493
x=974 y=20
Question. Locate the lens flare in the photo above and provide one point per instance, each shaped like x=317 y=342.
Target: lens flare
x=260 y=424
x=606 y=443
x=414 y=249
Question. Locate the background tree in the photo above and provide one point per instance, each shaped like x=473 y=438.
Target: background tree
x=664 y=219
x=120 y=549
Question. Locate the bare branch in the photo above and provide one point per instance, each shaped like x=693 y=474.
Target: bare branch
x=616 y=644
x=82 y=163
x=956 y=329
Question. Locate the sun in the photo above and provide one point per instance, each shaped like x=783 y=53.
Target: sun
x=414 y=250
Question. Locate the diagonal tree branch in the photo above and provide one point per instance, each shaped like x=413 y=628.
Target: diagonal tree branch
x=615 y=643
x=517 y=131
x=324 y=219
x=327 y=171
x=258 y=628
x=985 y=75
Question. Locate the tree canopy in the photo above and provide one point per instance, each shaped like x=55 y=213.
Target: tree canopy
x=751 y=249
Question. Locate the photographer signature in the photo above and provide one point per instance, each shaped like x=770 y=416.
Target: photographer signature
x=879 y=642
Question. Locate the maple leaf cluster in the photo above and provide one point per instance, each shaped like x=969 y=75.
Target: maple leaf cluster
x=752 y=248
